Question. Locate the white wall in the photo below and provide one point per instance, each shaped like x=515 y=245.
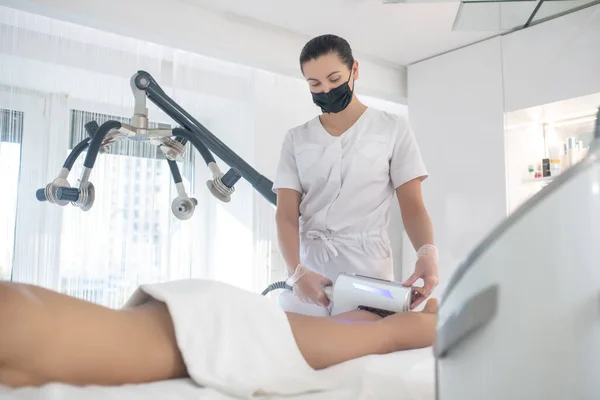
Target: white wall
x=553 y=61
x=226 y=37
x=455 y=108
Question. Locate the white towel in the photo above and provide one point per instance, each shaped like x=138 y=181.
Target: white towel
x=234 y=341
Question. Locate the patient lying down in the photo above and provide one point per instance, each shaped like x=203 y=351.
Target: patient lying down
x=50 y=337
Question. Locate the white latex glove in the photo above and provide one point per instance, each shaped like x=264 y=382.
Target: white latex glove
x=426 y=268
x=308 y=286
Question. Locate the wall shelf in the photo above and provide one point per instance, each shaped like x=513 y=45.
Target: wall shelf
x=545 y=180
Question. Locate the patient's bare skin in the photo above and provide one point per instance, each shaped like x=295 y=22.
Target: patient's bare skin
x=328 y=341
x=50 y=337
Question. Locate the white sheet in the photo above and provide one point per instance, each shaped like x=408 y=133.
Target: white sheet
x=236 y=343
x=233 y=340
x=399 y=376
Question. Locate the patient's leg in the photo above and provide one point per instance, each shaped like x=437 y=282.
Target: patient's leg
x=49 y=337
x=328 y=341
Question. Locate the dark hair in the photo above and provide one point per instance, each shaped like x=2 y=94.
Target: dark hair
x=326 y=44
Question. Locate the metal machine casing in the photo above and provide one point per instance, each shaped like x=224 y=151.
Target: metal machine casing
x=520 y=319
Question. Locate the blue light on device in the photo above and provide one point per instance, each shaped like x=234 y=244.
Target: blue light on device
x=376 y=290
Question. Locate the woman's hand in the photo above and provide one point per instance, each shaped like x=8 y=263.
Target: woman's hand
x=426 y=269
x=309 y=288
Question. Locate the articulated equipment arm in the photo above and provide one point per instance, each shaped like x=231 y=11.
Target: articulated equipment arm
x=171 y=142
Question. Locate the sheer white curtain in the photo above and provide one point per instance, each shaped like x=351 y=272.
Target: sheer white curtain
x=11 y=134
x=55 y=77
x=280 y=103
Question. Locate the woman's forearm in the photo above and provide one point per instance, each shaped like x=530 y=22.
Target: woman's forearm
x=416 y=220
x=418 y=227
x=289 y=241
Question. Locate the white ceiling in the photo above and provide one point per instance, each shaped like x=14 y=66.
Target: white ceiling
x=397 y=33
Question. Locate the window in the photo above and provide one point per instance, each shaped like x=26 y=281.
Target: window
x=11 y=133
x=103 y=257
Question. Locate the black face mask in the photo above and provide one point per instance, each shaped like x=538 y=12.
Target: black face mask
x=335 y=100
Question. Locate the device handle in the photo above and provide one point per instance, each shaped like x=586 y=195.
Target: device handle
x=91 y=128
x=96 y=142
x=477 y=312
x=68 y=194
x=40 y=194
x=62 y=193
x=231 y=177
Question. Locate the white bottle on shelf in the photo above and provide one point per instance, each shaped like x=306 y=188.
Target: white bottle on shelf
x=571 y=152
x=582 y=151
x=554 y=155
x=565 y=157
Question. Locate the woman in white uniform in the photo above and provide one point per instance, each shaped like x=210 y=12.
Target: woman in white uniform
x=335 y=184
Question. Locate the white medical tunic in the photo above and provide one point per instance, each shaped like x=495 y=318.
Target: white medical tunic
x=347 y=185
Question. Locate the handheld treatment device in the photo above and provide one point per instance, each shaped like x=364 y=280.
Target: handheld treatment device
x=353 y=292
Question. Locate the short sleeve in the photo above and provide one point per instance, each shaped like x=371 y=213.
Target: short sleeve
x=406 y=162
x=287 y=171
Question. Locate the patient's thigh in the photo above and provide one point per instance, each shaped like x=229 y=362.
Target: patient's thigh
x=356 y=316
x=350 y=317
x=62 y=339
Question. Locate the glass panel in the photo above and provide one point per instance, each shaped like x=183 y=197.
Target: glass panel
x=550 y=9
x=511 y=1
x=493 y=16
x=500 y=15
x=498 y=1
x=11 y=133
